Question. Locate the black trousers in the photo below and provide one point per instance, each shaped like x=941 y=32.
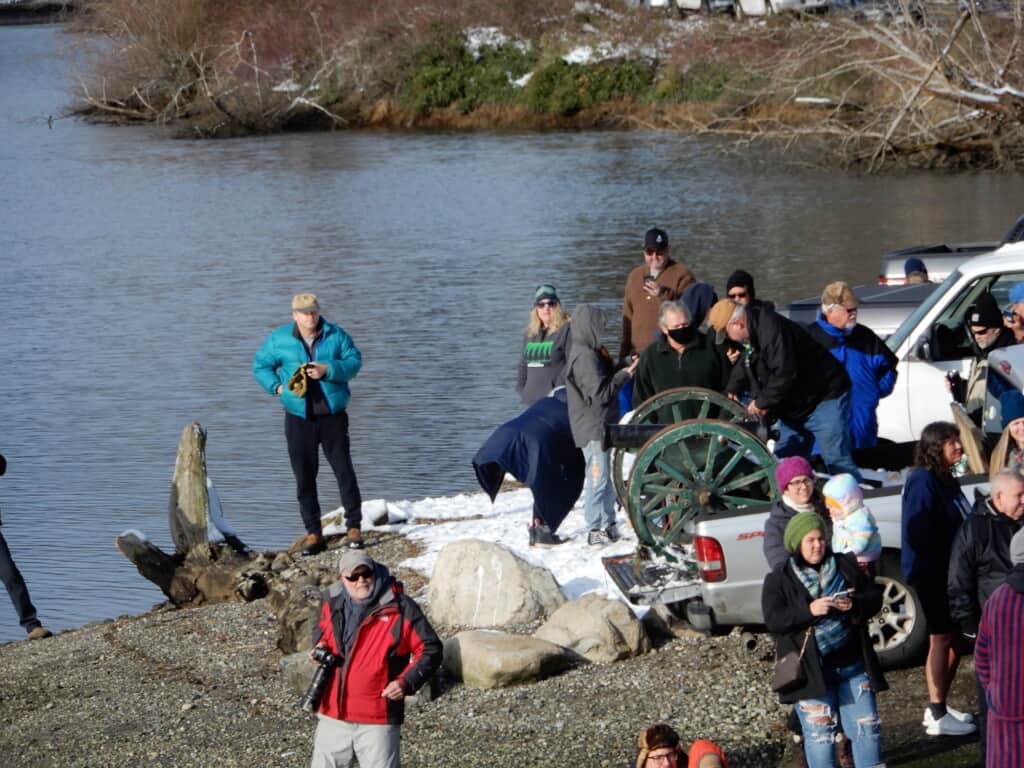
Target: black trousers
x=305 y=436
x=11 y=577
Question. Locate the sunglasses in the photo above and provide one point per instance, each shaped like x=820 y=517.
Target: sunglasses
x=547 y=303
x=737 y=295
x=360 y=575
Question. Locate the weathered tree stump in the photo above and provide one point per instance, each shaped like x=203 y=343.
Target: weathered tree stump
x=199 y=571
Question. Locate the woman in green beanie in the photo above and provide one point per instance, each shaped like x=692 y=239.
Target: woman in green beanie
x=821 y=602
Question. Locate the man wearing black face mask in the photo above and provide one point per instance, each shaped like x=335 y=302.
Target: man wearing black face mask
x=681 y=357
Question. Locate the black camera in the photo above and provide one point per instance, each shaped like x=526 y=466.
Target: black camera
x=326 y=662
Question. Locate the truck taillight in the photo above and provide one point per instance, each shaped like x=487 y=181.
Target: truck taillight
x=710 y=558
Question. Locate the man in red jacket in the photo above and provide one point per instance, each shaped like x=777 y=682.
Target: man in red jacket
x=388 y=650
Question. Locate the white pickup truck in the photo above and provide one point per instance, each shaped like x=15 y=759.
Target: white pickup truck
x=930 y=342
x=717 y=581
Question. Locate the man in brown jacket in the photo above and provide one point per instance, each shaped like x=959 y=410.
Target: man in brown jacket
x=658 y=279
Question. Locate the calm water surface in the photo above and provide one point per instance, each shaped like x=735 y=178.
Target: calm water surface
x=140 y=273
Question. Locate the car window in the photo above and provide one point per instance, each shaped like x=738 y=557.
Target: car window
x=950 y=340
x=907 y=326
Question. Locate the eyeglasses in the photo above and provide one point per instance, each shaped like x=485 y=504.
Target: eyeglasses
x=547 y=304
x=737 y=295
x=667 y=758
x=360 y=576
x=804 y=481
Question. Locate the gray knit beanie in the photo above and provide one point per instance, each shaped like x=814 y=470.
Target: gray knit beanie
x=1017 y=548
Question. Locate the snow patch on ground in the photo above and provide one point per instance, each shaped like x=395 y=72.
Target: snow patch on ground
x=595 y=8
x=575 y=565
x=590 y=54
x=478 y=38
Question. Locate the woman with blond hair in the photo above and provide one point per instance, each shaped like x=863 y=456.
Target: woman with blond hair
x=1009 y=451
x=545 y=347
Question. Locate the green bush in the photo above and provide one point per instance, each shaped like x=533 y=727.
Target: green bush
x=565 y=89
x=702 y=81
x=442 y=72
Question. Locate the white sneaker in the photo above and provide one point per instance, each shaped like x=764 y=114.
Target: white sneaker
x=947 y=725
x=963 y=717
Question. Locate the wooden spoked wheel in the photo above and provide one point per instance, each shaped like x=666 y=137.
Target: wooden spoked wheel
x=681 y=403
x=696 y=466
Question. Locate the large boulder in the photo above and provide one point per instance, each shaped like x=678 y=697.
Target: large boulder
x=480 y=584
x=596 y=628
x=489 y=659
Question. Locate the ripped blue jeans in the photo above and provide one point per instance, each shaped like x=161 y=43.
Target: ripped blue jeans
x=851 y=696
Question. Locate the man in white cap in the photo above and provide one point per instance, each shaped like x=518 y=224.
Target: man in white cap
x=388 y=650
x=308 y=364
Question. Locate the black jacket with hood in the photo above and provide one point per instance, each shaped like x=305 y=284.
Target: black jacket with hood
x=788 y=372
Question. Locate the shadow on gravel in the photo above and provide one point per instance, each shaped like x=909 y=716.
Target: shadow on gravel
x=946 y=751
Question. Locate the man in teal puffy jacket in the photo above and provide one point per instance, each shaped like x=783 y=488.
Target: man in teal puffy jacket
x=307 y=364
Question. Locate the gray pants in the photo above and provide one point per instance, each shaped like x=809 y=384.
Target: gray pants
x=338 y=741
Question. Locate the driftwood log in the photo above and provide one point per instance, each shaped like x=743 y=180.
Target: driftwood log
x=199 y=571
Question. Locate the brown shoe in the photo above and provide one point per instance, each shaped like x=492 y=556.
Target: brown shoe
x=354 y=539
x=39 y=633
x=313 y=544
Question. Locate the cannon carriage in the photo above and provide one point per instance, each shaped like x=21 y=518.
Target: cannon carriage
x=683 y=453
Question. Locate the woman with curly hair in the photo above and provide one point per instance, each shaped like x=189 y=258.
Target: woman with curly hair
x=933 y=509
x=545 y=347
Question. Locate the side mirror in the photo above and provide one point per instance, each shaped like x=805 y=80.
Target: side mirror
x=923 y=349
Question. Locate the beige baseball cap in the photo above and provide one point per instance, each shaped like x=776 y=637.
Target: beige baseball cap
x=719 y=317
x=305 y=302
x=839 y=293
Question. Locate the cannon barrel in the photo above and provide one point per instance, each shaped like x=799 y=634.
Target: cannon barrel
x=633 y=436
x=629 y=436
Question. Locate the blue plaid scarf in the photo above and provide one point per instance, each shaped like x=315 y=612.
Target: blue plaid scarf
x=830 y=632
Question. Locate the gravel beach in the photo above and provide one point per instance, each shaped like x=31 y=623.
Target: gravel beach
x=204 y=687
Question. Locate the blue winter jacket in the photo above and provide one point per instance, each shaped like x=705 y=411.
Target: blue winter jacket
x=283 y=352
x=871 y=366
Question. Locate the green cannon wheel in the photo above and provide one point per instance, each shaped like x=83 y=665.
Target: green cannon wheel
x=682 y=403
x=696 y=466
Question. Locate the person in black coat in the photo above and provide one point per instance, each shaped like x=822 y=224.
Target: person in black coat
x=820 y=603
x=793 y=379
x=981 y=561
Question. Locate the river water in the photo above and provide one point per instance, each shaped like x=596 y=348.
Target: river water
x=140 y=273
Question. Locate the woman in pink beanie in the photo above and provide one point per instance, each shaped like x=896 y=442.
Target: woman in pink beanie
x=795 y=480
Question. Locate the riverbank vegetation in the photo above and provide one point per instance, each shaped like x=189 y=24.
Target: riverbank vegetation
x=929 y=85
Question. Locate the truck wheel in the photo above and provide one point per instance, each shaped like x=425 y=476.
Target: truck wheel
x=898 y=631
